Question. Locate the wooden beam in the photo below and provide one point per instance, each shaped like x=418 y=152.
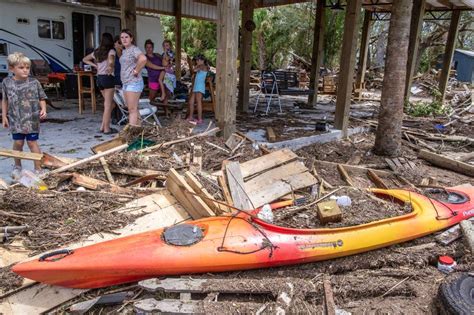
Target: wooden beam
x=318 y=50
x=236 y=186
x=364 y=49
x=21 y=155
x=346 y=73
x=227 y=39
x=128 y=16
x=245 y=55
x=447 y=163
x=178 y=19
x=449 y=51
x=416 y=25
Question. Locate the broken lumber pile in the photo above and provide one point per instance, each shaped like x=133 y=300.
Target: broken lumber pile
x=265 y=179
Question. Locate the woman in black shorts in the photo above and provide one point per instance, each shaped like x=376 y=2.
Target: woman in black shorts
x=103 y=59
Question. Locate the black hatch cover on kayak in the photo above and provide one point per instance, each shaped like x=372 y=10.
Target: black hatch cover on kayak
x=182 y=235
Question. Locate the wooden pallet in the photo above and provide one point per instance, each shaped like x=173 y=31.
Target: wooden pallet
x=398 y=164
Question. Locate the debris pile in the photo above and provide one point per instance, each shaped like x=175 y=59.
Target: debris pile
x=149 y=177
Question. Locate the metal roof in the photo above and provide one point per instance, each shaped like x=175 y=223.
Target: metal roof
x=469 y=53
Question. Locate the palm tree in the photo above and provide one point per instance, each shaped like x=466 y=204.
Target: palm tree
x=388 y=136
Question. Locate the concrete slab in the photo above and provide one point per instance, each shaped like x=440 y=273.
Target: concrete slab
x=64 y=133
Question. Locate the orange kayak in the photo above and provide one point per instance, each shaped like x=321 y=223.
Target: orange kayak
x=240 y=241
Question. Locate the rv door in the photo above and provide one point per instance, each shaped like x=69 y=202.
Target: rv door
x=109 y=24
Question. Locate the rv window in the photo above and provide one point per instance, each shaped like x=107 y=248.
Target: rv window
x=58 y=30
x=44 y=28
x=3 y=49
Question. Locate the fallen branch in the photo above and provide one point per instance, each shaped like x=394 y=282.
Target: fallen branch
x=447 y=163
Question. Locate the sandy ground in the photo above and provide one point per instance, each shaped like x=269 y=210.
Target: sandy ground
x=64 y=133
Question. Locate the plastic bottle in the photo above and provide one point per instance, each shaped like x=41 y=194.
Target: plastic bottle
x=266 y=213
x=30 y=180
x=446 y=264
x=342 y=201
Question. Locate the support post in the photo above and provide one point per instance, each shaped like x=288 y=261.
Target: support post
x=128 y=16
x=416 y=25
x=178 y=39
x=449 y=51
x=245 y=55
x=317 y=54
x=346 y=73
x=227 y=39
x=364 y=49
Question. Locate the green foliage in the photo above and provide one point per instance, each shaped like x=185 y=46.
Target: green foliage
x=422 y=109
x=197 y=37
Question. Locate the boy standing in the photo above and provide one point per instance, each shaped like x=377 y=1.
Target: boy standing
x=23 y=105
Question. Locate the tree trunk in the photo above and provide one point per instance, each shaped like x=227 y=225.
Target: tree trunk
x=261 y=51
x=388 y=137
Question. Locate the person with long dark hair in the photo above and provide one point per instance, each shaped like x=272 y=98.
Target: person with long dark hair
x=132 y=62
x=103 y=59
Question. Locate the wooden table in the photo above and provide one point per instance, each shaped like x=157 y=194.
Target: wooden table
x=81 y=90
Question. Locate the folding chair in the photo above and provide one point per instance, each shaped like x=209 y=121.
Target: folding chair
x=145 y=109
x=269 y=89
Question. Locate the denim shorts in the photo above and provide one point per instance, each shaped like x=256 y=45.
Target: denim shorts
x=27 y=136
x=134 y=87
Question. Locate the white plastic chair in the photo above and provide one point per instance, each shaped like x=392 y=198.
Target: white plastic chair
x=145 y=109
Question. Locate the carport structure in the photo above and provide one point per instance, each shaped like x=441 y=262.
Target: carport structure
x=226 y=15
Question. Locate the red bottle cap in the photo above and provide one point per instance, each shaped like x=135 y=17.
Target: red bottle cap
x=446 y=260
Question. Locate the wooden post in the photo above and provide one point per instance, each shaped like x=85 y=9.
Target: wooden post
x=346 y=73
x=416 y=25
x=128 y=16
x=227 y=39
x=178 y=38
x=449 y=51
x=317 y=54
x=245 y=55
x=364 y=49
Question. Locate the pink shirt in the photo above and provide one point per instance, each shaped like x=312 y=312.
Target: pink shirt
x=102 y=66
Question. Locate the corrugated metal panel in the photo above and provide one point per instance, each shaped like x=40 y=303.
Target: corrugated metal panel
x=189 y=8
x=201 y=10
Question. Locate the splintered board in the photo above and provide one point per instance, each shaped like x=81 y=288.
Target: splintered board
x=183 y=192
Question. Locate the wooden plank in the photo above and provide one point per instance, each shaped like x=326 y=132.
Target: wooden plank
x=391 y=164
x=21 y=155
x=87 y=160
x=138 y=172
x=447 y=163
x=449 y=235
x=96 y=184
x=347 y=65
x=196 y=207
x=281 y=188
x=199 y=189
x=271 y=136
x=233 y=141
x=266 y=162
x=225 y=189
x=397 y=162
x=128 y=16
x=109 y=144
x=236 y=186
x=376 y=180
x=345 y=175
x=223 y=285
x=271 y=176
x=329 y=305
x=168 y=306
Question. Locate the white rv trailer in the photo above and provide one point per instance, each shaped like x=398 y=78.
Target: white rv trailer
x=61 y=33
